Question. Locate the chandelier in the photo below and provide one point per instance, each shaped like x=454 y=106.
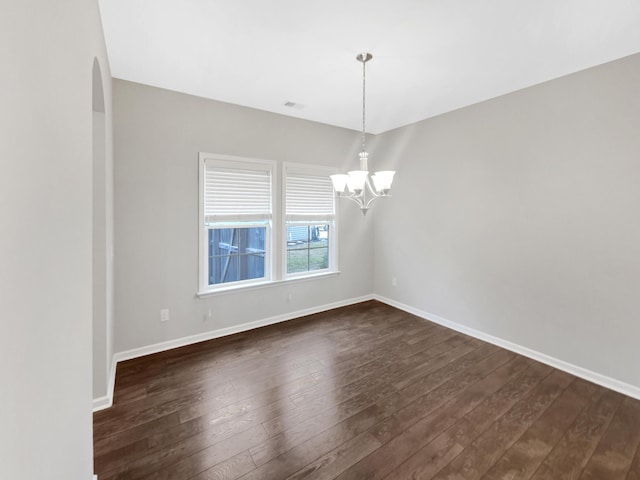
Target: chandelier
x=356 y=184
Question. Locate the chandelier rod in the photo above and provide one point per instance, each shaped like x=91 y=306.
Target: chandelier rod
x=364 y=58
x=364 y=75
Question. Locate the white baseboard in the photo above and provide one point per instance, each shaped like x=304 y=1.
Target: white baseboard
x=101 y=403
x=106 y=401
x=602 y=380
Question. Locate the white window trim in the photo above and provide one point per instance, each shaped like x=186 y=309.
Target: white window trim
x=276 y=247
x=256 y=286
x=203 y=243
x=304 y=169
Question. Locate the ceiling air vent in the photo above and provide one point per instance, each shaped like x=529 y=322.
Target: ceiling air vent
x=297 y=106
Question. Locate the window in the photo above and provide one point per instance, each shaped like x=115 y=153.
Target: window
x=241 y=219
x=236 y=205
x=309 y=220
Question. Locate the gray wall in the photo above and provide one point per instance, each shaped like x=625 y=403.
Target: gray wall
x=519 y=217
x=47 y=50
x=157 y=137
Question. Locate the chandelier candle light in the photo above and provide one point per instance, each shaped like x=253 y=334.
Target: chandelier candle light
x=357 y=182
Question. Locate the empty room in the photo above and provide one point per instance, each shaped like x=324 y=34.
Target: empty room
x=320 y=240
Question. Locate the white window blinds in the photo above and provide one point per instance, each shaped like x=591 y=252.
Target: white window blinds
x=308 y=196
x=236 y=194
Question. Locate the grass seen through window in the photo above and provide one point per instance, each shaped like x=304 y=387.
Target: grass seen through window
x=307 y=248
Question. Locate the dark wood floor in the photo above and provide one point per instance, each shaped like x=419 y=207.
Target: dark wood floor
x=363 y=392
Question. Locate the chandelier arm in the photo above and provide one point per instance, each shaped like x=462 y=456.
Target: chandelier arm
x=361 y=200
x=371 y=200
x=350 y=195
x=356 y=199
x=371 y=189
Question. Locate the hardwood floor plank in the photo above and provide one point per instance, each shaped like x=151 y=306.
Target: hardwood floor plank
x=349 y=395
x=229 y=469
x=298 y=455
x=360 y=392
x=288 y=439
x=634 y=470
x=231 y=405
x=445 y=448
x=245 y=413
x=568 y=458
x=103 y=444
x=396 y=374
x=447 y=394
x=614 y=454
x=339 y=459
x=189 y=466
x=399 y=444
x=168 y=452
x=389 y=456
x=362 y=366
x=149 y=407
x=302 y=429
x=121 y=456
x=522 y=460
x=428 y=460
x=410 y=375
x=483 y=452
x=473 y=364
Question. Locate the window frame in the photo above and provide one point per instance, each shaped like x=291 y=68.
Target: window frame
x=331 y=220
x=275 y=236
x=234 y=221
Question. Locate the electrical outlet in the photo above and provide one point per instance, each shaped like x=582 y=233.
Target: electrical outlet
x=164 y=315
x=289 y=297
x=394 y=281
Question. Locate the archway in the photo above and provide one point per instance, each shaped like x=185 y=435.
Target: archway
x=100 y=242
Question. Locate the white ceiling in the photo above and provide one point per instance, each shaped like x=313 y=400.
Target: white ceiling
x=430 y=56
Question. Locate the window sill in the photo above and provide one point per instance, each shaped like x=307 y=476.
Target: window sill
x=270 y=283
